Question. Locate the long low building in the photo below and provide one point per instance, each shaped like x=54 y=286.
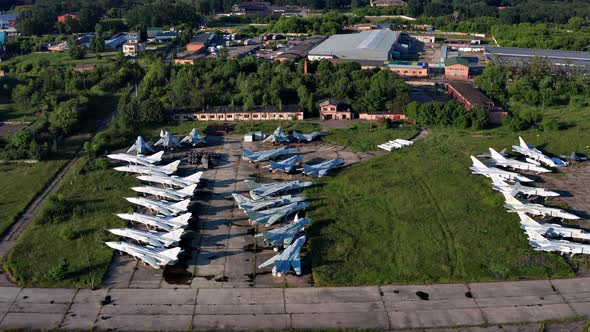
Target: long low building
x=470 y=97
x=228 y=113
x=518 y=56
x=374 y=45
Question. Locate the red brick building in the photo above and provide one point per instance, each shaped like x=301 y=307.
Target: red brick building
x=227 y=113
x=457 y=68
x=64 y=17
x=396 y=117
x=333 y=109
x=470 y=97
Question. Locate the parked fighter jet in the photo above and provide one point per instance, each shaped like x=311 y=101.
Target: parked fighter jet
x=574 y=157
x=259 y=190
x=248 y=204
x=265 y=155
x=154 y=257
x=161 y=207
x=514 y=205
x=535 y=156
x=175 y=195
x=286 y=165
x=479 y=168
x=167 y=140
x=141 y=160
x=517 y=188
x=194 y=138
x=290 y=257
x=277 y=137
x=173 y=180
x=488 y=155
x=320 y=170
x=552 y=230
x=271 y=216
x=283 y=236
x=153 y=238
x=140 y=146
x=499 y=160
x=300 y=137
x=541 y=243
x=164 y=223
x=150 y=170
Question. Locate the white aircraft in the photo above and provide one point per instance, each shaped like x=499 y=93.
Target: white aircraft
x=479 y=168
x=552 y=230
x=300 y=137
x=286 y=165
x=150 y=170
x=194 y=138
x=173 y=180
x=248 y=204
x=259 y=190
x=290 y=257
x=153 y=256
x=320 y=170
x=271 y=216
x=283 y=236
x=499 y=160
x=161 y=207
x=167 y=140
x=541 y=243
x=574 y=157
x=517 y=188
x=265 y=155
x=153 y=238
x=141 y=160
x=533 y=155
x=488 y=155
x=514 y=205
x=277 y=137
x=140 y=146
x=167 y=224
x=175 y=195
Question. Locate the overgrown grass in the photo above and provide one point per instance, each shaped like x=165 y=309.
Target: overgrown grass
x=10 y=113
x=60 y=59
x=366 y=136
x=64 y=246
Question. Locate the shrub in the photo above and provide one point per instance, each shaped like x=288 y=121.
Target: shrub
x=58 y=271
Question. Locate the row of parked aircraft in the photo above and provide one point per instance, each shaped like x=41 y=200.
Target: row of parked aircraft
x=167 y=141
x=542 y=236
x=279 y=136
x=290 y=164
x=168 y=209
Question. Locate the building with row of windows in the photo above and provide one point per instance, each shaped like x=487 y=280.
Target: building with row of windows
x=238 y=113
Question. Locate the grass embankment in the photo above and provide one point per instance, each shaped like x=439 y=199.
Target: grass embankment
x=366 y=136
x=418 y=216
x=64 y=246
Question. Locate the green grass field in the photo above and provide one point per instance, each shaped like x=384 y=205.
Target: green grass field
x=61 y=58
x=366 y=137
x=9 y=113
x=418 y=216
x=92 y=196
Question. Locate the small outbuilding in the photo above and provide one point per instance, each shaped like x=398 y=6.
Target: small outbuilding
x=334 y=109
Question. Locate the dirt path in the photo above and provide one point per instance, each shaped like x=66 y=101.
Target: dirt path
x=423 y=132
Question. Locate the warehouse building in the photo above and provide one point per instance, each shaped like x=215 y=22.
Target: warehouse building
x=372 y=45
x=519 y=56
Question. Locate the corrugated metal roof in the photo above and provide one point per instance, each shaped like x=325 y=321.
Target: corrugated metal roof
x=365 y=45
x=542 y=53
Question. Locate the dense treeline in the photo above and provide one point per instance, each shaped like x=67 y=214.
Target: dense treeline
x=451 y=114
x=326 y=24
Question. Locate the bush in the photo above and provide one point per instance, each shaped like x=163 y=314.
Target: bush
x=67 y=234
x=549 y=124
x=58 y=271
x=55 y=210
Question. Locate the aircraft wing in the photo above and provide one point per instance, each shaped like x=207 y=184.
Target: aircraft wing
x=296 y=264
x=323 y=171
x=161 y=141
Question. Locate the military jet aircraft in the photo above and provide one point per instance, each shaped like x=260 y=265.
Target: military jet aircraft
x=175 y=195
x=517 y=188
x=552 y=230
x=489 y=155
x=479 y=168
x=514 y=205
x=259 y=190
x=167 y=140
x=173 y=180
x=140 y=146
x=271 y=216
x=283 y=236
x=300 y=137
x=153 y=238
x=167 y=224
x=161 y=207
x=137 y=160
x=153 y=256
x=320 y=170
x=150 y=170
x=499 y=160
x=574 y=157
x=535 y=156
x=541 y=243
x=265 y=155
x=248 y=204
x=277 y=137
x=286 y=165
x=290 y=257
x=194 y=138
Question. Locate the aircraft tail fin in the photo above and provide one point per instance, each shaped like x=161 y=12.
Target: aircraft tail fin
x=172 y=254
x=182 y=219
x=477 y=163
x=308 y=169
x=172 y=167
x=496 y=155
x=526 y=220
x=241 y=199
x=534 y=235
x=174 y=235
x=522 y=143
x=156 y=157
x=195 y=177
x=511 y=199
x=182 y=205
x=252 y=215
x=189 y=190
x=132 y=148
x=251 y=184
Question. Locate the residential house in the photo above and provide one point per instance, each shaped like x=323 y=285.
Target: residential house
x=134 y=45
x=334 y=109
